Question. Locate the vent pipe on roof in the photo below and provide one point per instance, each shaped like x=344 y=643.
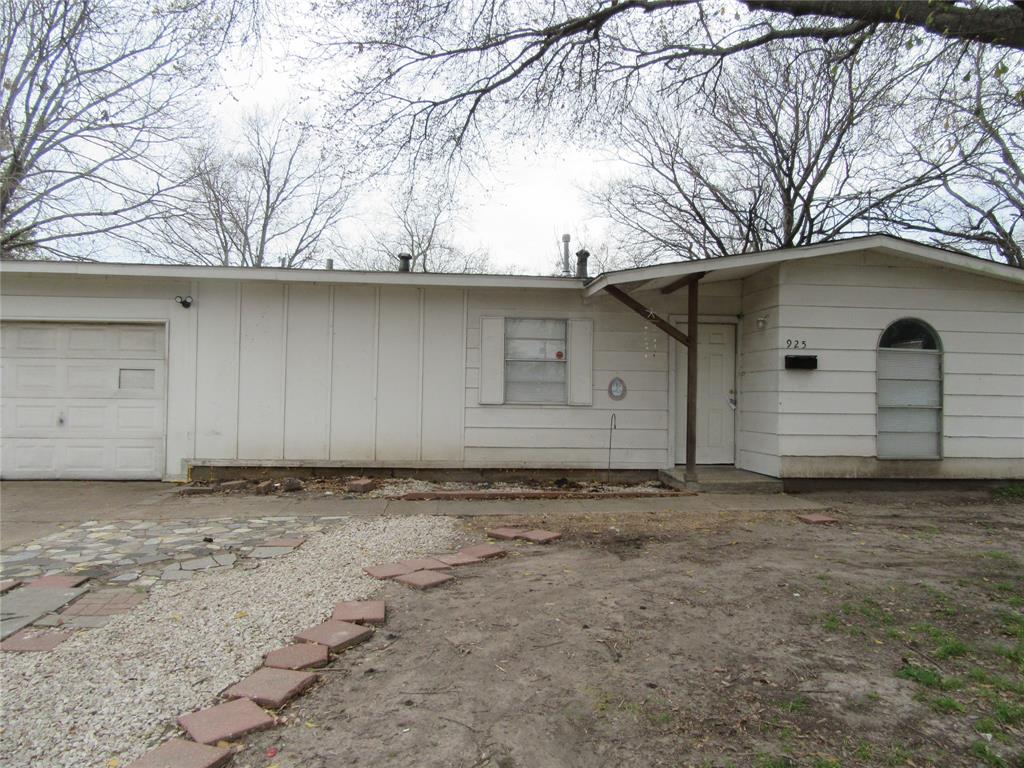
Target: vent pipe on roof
x=329 y=263
x=581 y=262
x=566 y=271
x=404 y=262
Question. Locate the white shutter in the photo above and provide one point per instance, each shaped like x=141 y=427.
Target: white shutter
x=581 y=362
x=492 y=360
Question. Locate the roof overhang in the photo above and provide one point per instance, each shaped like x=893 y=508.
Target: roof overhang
x=740 y=266
x=279 y=274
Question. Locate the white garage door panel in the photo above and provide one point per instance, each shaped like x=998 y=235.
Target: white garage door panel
x=82 y=400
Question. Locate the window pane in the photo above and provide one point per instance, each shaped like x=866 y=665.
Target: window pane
x=530 y=328
x=908 y=334
x=534 y=349
x=896 y=393
x=535 y=382
x=908 y=420
x=525 y=392
x=896 y=364
x=908 y=445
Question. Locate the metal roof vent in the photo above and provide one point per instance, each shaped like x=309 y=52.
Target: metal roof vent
x=404 y=262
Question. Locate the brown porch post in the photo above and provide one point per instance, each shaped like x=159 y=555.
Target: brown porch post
x=691 y=382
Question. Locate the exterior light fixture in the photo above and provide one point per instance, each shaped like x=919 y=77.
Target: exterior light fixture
x=185 y=301
x=762 y=322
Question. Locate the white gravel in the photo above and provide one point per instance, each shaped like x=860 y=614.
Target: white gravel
x=106 y=695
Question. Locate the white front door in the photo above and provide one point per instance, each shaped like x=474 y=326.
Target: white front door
x=716 y=394
x=82 y=400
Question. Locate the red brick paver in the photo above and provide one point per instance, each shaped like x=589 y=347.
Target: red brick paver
x=388 y=570
x=816 y=519
x=423 y=579
x=180 y=753
x=284 y=542
x=8 y=584
x=483 y=551
x=360 y=612
x=425 y=564
x=336 y=635
x=271 y=687
x=29 y=640
x=540 y=536
x=505 y=533
x=459 y=558
x=58 y=581
x=225 y=721
x=298 y=656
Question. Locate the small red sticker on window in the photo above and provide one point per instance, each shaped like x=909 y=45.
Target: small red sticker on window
x=559 y=354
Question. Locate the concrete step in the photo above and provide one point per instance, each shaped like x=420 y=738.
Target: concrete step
x=721 y=480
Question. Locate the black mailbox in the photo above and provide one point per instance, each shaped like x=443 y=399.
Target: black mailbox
x=802 y=362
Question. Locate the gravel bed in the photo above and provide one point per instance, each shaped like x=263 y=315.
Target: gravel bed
x=106 y=695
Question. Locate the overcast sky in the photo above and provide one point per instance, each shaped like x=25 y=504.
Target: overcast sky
x=516 y=209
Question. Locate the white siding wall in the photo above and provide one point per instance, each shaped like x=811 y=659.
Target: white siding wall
x=840 y=306
x=576 y=435
x=757 y=402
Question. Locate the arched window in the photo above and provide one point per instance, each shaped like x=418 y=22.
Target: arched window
x=909 y=392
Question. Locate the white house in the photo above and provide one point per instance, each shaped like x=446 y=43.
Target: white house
x=869 y=357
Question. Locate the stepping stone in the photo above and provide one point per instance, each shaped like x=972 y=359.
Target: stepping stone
x=58 y=581
x=425 y=564
x=271 y=687
x=27 y=640
x=423 y=579
x=388 y=570
x=180 y=753
x=85 y=622
x=23 y=606
x=284 y=542
x=505 y=533
x=174 y=573
x=8 y=584
x=360 y=612
x=225 y=722
x=816 y=519
x=199 y=564
x=264 y=552
x=124 y=578
x=540 y=536
x=225 y=560
x=49 y=620
x=483 y=551
x=459 y=558
x=336 y=635
x=298 y=656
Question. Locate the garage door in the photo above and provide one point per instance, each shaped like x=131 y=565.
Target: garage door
x=82 y=400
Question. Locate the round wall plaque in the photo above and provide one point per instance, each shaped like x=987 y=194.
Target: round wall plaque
x=617 y=389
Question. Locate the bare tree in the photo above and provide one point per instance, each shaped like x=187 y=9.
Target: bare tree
x=972 y=135
x=802 y=145
x=421 y=225
x=274 y=201
x=435 y=76
x=91 y=94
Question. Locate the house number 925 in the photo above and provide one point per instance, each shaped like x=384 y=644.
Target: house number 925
x=796 y=344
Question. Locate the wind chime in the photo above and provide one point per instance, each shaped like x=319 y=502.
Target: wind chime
x=650 y=342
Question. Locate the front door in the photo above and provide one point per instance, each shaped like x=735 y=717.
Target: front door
x=716 y=394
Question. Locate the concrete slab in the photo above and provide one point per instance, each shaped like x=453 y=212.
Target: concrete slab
x=23 y=606
x=540 y=536
x=483 y=551
x=265 y=552
x=30 y=640
x=57 y=581
x=424 y=564
x=506 y=534
x=225 y=722
x=270 y=687
x=459 y=558
x=336 y=635
x=181 y=753
x=388 y=570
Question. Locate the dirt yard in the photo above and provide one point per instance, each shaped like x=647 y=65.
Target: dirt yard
x=894 y=638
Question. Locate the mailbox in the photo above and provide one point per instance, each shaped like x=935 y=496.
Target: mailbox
x=801 y=362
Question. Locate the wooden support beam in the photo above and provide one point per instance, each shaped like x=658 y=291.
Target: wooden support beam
x=691 y=383
x=648 y=314
x=682 y=282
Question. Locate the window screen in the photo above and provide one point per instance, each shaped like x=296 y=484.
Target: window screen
x=535 y=361
x=909 y=364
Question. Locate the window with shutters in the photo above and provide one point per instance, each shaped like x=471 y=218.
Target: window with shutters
x=535 y=361
x=909 y=392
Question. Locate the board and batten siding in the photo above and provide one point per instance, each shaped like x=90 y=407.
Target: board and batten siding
x=308 y=373
x=839 y=306
x=577 y=435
